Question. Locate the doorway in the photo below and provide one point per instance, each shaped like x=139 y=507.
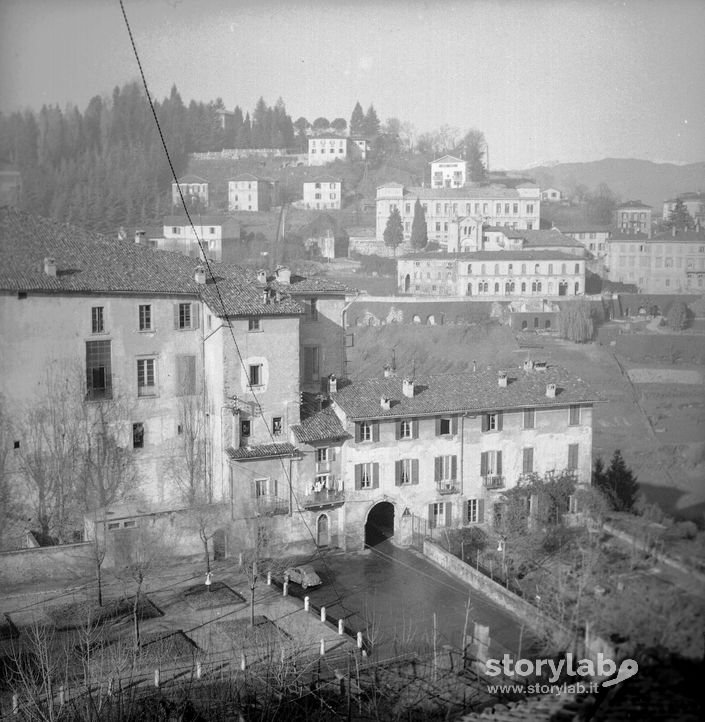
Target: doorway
x=380 y=523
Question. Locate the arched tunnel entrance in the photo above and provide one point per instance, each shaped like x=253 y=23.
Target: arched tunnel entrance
x=380 y=523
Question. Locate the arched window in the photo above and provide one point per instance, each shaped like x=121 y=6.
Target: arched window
x=547 y=324
x=469 y=292
x=496 y=269
x=538 y=286
x=536 y=268
x=496 y=287
x=533 y=287
x=577 y=268
x=469 y=269
x=524 y=325
x=577 y=288
x=511 y=287
x=523 y=286
x=487 y=287
x=507 y=288
x=536 y=321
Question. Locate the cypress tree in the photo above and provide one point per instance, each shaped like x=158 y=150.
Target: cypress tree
x=419 y=229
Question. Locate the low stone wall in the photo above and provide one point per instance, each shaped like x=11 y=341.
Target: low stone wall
x=42 y=563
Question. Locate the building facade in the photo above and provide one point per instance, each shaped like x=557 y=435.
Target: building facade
x=634 y=217
x=213 y=232
x=667 y=263
x=246 y=192
x=324 y=149
x=324 y=193
x=194 y=190
x=517 y=208
x=448 y=172
x=593 y=237
x=694 y=204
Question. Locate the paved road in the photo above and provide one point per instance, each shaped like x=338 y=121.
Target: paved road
x=392 y=594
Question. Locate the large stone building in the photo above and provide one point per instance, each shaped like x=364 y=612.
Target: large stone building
x=247 y=192
x=672 y=262
x=194 y=190
x=448 y=172
x=447 y=208
x=634 y=217
x=323 y=149
x=214 y=233
x=323 y=193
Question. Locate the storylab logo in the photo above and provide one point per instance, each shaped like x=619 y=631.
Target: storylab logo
x=552 y=670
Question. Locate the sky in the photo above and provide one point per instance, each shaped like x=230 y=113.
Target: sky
x=545 y=80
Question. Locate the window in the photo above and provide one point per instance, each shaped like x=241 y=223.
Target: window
x=322 y=455
x=311 y=363
x=98 y=370
x=366 y=431
x=573 y=456
x=146 y=377
x=447 y=425
x=185 y=316
x=574 y=419
x=527 y=463
x=253 y=324
x=446 y=471
x=474 y=511
x=185 y=375
x=265 y=487
x=407 y=429
x=367 y=476
x=255 y=374
x=145 y=317
x=276 y=425
x=491 y=468
x=245 y=428
x=138 y=436
x=406 y=471
x=439 y=514
x=529 y=418
x=492 y=422
x=97 y=321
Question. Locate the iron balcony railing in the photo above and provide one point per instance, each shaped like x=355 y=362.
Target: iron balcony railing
x=493 y=481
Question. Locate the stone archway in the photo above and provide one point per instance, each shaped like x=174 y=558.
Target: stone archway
x=380 y=523
x=407 y=283
x=322 y=531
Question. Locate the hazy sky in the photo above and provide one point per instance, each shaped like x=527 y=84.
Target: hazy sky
x=566 y=80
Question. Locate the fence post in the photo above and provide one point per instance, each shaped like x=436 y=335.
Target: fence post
x=199 y=670
x=306 y=604
x=243 y=665
x=359 y=640
x=323 y=648
x=15 y=704
x=156 y=677
x=323 y=614
x=62 y=696
x=269 y=579
x=285 y=589
x=341 y=627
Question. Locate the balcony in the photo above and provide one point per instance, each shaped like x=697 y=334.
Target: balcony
x=271 y=505
x=447 y=486
x=323 y=499
x=492 y=481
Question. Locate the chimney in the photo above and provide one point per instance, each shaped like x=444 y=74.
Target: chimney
x=265 y=296
x=50 y=266
x=551 y=391
x=199 y=275
x=407 y=388
x=332 y=384
x=388 y=371
x=502 y=379
x=385 y=403
x=261 y=276
x=283 y=275
x=139 y=236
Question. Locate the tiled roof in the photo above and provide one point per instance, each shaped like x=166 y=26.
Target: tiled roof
x=447 y=158
x=519 y=255
x=680 y=236
x=89 y=262
x=535 y=239
x=322 y=426
x=584 y=228
x=198 y=220
x=458 y=393
x=190 y=178
x=632 y=204
x=468 y=192
x=266 y=451
x=323 y=179
x=244 y=177
x=300 y=285
x=619 y=236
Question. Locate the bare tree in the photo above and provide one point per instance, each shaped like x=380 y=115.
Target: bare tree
x=188 y=467
x=9 y=509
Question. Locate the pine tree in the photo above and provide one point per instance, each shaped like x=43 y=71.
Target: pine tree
x=394 y=231
x=619 y=484
x=679 y=218
x=371 y=123
x=475 y=147
x=357 y=120
x=419 y=229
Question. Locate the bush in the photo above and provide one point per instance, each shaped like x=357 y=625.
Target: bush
x=682 y=530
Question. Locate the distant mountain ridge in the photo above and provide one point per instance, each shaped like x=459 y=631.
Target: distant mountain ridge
x=631 y=179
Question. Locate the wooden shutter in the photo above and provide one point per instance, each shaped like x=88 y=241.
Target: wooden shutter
x=483 y=463
x=375 y=431
x=358 y=476
x=176 y=315
x=253 y=489
x=480 y=511
x=415 y=429
x=358 y=432
x=194 y=316
x=431 y=522
x=528 y=461
x=449 y=513
x=454 y=467
x=437 y=468
x=397 y=429
x=331 y=453
x=499 y=464
x=414 y=471
x=438 y=427
x=485 y=422
x=454 y=425
x=572 y=456
x=500 y=417
x=375 y=475
x=397 y=473
x=275 y=487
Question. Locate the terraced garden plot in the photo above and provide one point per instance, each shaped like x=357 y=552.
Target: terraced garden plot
x=78 y=614
x=198 y=596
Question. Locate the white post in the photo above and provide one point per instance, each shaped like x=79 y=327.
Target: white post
x=242 y=662
x=269 y=579
x=62 y=696
x=323 y=648
x=110 y=687
x=156 y=677
x=285 y=589
x=306 y=604
x=323 y=614
x=359 y=640
x=199 y=670
x=341 y=627
x=15 y=704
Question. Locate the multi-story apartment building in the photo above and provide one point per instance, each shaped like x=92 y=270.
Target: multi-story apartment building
x=444 y=448
x=551 y=194
x=247 y=192
x=593 y=237
x=326 y=148
x=194 y=190
x=448 y=172
x=517 y=208
x=486 y=274
x=634 y=217
x=671 y=262
x=324 y=193
x=213 y=232
x=693 y=202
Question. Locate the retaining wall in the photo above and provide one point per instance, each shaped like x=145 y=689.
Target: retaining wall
x=42 y=563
